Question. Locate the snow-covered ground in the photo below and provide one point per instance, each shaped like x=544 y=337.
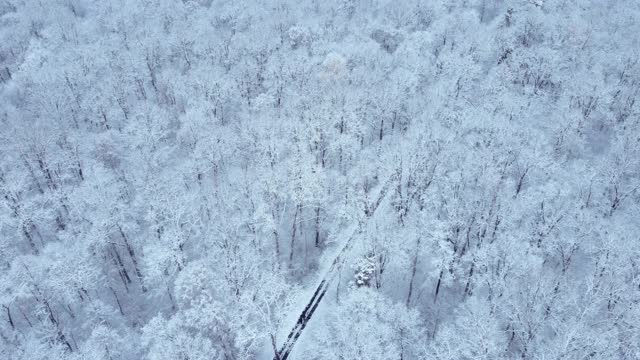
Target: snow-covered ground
x=178 y=177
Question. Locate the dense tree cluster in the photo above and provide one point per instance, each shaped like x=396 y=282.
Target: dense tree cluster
x=175 y=177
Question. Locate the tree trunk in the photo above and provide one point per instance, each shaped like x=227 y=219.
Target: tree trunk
x=293 y=236
x=414 y=267
x=133 y=259
x=435 y=297
x=124 y=275
x=9 y=318
x=317 y=226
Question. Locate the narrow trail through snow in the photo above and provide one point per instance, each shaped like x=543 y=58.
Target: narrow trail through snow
x=327 y=279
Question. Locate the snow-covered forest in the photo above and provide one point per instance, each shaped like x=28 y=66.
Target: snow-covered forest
x=319 y=179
